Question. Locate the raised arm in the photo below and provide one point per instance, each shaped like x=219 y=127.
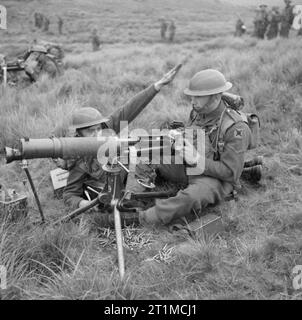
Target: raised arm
x=134 y=106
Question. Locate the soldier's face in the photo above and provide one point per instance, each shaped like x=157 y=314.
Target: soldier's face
x=205 y=104
x=92 y=131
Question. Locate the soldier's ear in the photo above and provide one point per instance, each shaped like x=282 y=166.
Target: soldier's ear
x=216 y=97
x=78 y=133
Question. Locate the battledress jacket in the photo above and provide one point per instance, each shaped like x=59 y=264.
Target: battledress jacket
x=237 y=140
x=89 y=171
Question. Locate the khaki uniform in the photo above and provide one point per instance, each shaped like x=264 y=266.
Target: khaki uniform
x=60 y=25
x=163 y=29
x=273 y=27
x=220 y=177
x=38 y=20
x=46 y=24
x=37 y=62
x=239 y=28
x=95 y=41
x=89 y=171
x=287 y=18
x=261 y=22
x=171 y=30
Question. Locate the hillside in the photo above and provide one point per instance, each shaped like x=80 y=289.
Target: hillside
x=253 y=3
x=254 y=256
x=117 y=21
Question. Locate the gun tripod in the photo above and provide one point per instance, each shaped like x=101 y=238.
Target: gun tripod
x=24 y=165
x=114 y=195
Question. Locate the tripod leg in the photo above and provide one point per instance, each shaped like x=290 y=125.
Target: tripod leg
x=4 y=76
x=119 y=240
x=35 y=193
x=78 y=212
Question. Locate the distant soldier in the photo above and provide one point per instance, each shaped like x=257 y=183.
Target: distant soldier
x=240 y=28
x=287 y=18
x=256 y=22
x=171 y=30
x=262 y=21
x=41 y=20
x=36 y=19
x=274 y=19
x=46 y=24
x=60 y=25
x=95 y=40
x=36 y=62
x=163 y=28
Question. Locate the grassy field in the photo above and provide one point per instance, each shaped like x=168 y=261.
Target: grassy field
x=254 y=257
x=253 y=3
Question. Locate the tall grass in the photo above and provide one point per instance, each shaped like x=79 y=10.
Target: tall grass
x=252 y=259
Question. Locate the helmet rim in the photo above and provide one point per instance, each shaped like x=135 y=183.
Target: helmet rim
x=87 y=117
x=200 y=93
x=88 y=124
x=207 y=82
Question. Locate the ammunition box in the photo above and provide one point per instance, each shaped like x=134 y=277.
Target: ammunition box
x=14 y=209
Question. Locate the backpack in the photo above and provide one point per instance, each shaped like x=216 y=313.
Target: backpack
x=232 y=115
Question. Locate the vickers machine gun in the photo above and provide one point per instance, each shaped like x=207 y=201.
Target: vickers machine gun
x=39 y=58
x=114 y=196
x=125 y=151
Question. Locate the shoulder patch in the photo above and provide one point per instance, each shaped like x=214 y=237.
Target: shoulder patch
x=238 y=133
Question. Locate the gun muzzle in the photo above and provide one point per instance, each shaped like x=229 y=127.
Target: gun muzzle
x=66 y=148
x=12 y=154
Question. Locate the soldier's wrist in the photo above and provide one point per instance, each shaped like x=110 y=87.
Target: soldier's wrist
x=83 y=203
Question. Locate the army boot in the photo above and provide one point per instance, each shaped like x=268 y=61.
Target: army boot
x=258 y=160
x=252 y=174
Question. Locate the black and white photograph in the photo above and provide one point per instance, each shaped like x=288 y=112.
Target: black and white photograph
x=150 y=150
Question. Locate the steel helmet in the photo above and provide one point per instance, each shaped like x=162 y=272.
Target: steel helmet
x=86 y=117
x=38 y=48
x=207 y=82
